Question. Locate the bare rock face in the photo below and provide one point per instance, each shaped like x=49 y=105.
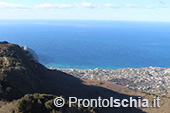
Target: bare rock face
x=31 y=52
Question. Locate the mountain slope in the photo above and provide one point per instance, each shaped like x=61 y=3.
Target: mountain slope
x=19 y=73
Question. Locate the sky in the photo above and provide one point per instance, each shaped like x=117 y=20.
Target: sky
x=127 y=10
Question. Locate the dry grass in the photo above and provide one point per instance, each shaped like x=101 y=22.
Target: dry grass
x=8 y=107
x=164 y=101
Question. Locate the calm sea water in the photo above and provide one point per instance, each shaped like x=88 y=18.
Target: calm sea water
x=92 y=44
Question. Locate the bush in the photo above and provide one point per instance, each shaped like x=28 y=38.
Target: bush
x=43 y=103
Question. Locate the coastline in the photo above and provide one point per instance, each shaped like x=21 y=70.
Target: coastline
x=51 y=67
x=89 y=67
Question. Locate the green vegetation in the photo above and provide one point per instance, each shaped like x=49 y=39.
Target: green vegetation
x=36 y=103
x=19 y=74
x=41 y=103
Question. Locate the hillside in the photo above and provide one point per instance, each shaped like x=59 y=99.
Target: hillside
x=21 y=74
x=41 y=103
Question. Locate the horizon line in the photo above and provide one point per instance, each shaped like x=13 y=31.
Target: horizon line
x=91 y=20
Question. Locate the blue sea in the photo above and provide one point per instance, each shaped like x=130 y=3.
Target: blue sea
x=89 y=44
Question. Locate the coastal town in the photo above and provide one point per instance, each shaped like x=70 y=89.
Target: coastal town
x=152 y=80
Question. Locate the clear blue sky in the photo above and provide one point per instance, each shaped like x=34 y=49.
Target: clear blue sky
x=138 y=10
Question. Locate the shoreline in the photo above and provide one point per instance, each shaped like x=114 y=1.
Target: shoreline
x=51 y=67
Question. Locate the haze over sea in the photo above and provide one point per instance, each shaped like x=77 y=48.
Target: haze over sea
x=92 y=44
